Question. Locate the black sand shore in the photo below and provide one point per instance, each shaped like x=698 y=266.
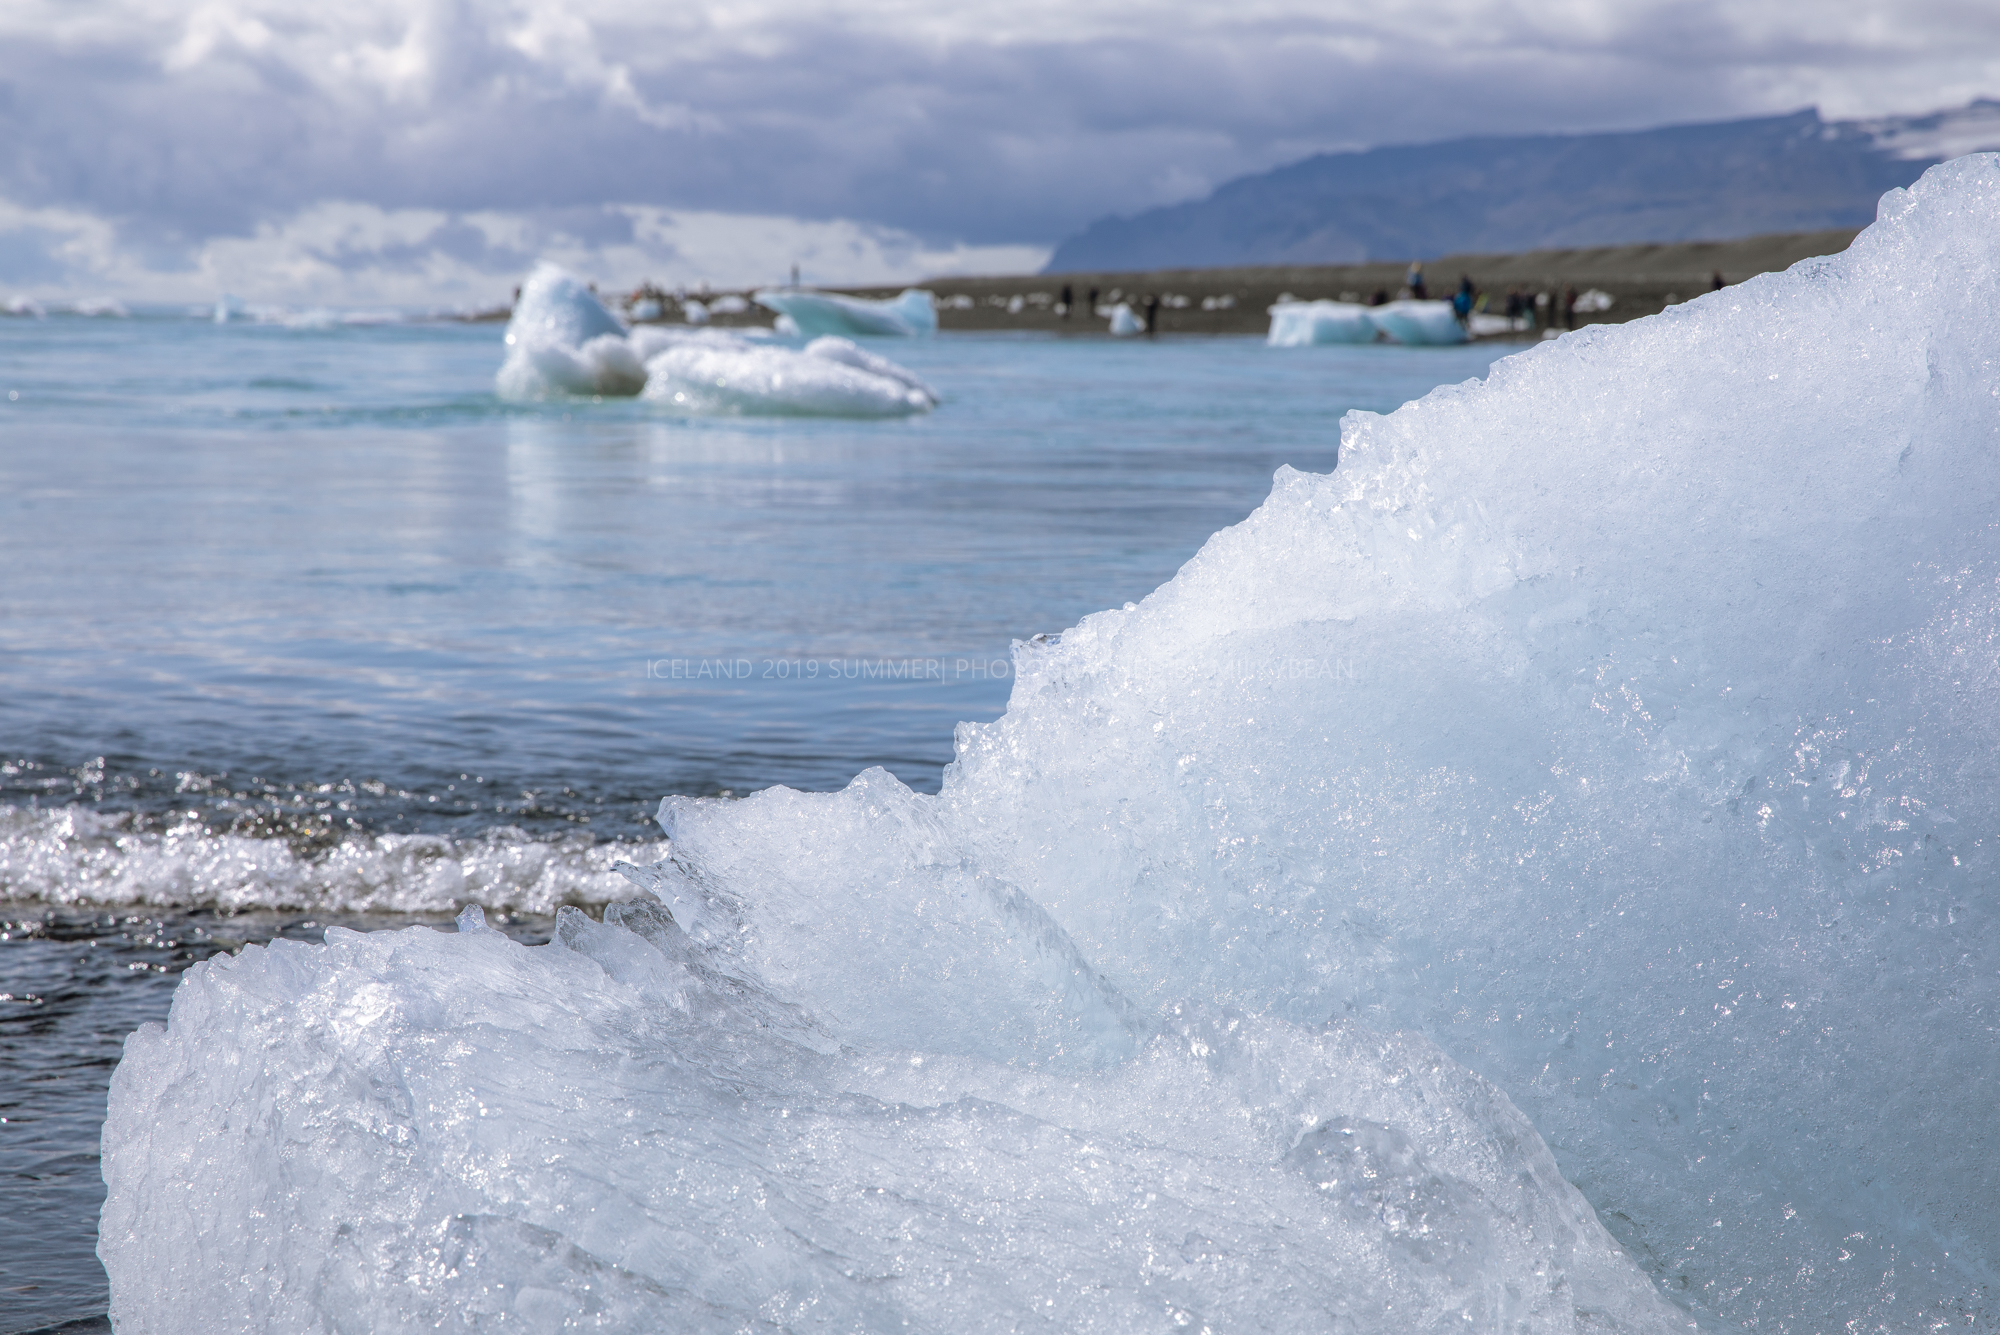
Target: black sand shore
x=1640 y=280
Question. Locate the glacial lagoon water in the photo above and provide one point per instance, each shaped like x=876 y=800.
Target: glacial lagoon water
x=302 y=624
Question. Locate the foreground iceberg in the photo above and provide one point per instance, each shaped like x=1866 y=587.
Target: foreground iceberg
x=910 y=315
x=1619 y=731
x=1419 y=323
x=562 y=341
x=1300 y=324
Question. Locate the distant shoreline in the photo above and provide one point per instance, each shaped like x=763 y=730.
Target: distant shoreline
x=1640 y=279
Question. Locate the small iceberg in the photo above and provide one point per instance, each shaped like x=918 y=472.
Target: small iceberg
x=1422 y=323
x=847 y=353
x=563 y=341
x=720 y=373
x=1124 y=323
x=554 y=309
x=1300 y=324
x=106 y=308
x=911 y=315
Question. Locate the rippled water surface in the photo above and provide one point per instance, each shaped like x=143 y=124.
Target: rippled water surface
x=277 y=598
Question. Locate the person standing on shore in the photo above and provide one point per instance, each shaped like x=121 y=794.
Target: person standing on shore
x=1717 y=283
x=1414 y=280
x=1152 y=314
x=1569 y=305
x=1063 y=299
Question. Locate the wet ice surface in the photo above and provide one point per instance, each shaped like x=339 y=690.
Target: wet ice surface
x=1643 y=767
x=623 y=1131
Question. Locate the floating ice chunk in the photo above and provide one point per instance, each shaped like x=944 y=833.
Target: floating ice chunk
x=728 y=304
x=1594 y=300
x=1482 y=325
x=101 y=308
x=720 y=373
x=696 y=371
x=1419 y=322
x=625 y=1130
x=317 y=317
x=562 y=340
x=1298 y=324
x=24 y=306
x=555 y=309
x=694 y=312
x=1124 y=323
x=816 y=313
x=646 y=308
x=604 y=365
x=848 y=353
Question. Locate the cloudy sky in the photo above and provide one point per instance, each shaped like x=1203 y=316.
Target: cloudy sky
x=426 y=151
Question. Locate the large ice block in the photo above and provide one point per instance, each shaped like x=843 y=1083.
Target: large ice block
x=1299 y=324
x=1419 y=323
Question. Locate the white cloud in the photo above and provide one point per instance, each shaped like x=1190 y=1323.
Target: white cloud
x=727 y=248
x=347 y=253
x=209 y=135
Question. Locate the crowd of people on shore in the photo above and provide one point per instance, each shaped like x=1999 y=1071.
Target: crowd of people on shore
x=1553 y=308
x=1526 y=309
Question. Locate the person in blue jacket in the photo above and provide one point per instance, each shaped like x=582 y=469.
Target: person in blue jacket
x=1461 y=302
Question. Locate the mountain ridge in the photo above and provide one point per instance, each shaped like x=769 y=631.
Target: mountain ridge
x=1710 y=181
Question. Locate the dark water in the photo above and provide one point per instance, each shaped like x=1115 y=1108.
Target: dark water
x=319 y=585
